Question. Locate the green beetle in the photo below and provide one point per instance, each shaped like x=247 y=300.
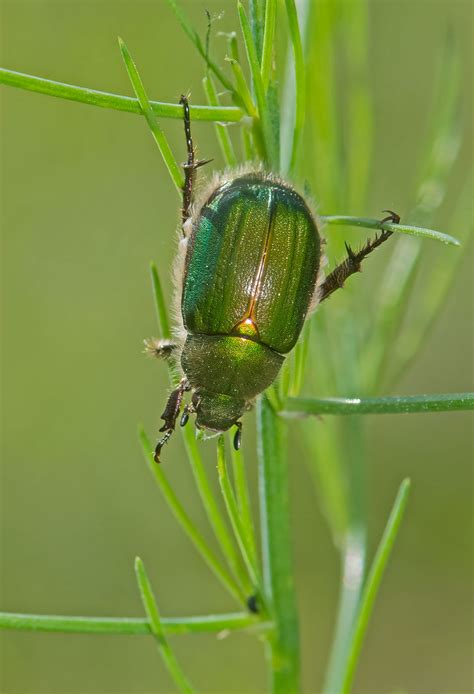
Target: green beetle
x=251 y=275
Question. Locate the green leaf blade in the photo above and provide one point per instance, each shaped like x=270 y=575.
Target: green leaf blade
x=129 y=625
x=222 y=132
x=374 y=579
x=186 y=523
x=156 y=627
x=369 y=223
x=272 y=155
x=446 y=402
x=300 y=81
x=173 y=168
x=117 y=102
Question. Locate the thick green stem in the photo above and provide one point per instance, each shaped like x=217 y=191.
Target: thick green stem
x=283 y=642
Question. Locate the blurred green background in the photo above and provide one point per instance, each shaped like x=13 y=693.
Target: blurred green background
x=86 y=204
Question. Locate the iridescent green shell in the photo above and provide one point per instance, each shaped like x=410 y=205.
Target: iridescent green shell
x=252 y=263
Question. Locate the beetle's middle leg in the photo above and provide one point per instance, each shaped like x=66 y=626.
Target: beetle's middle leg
x=335 y=280
x=170 y=415
x=190 y=166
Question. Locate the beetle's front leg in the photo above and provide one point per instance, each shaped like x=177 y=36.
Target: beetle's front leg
x=161 y=349
x=170 y=415
x=335 y=280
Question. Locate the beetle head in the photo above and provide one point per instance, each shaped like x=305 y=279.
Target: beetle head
x=217 y=411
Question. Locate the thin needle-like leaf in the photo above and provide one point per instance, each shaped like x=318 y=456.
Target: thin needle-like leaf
x=268 y=41
x=300 y=81
x=247 y=145
x=257 y=23
x=186 y=523
x=300 y=358
x=242 y=496
x=158 y=134
x=358 y=104
x=129 y=625
x=160 y=304
x=222 y=131
x=268 y=135
x=242 y=89
x=211 y=508
x=117 y=102
x=246 y=549
x=158 y=631
x=447 y=402
x=373 y=582
x=368 y=223
x=326 y=165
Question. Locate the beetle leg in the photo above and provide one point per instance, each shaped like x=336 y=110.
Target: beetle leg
x=335 y=280
x=189 y=168
x=238 y=436
x=162 y=349
x=191 y=165
x=170 y=415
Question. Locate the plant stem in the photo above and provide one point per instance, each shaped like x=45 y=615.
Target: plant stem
x=212 y=510
x=373 y=582
x=222 y=131
x=353 y=555
x=268 y=42
x=283 y=642
x=157 y=629
x=398 y=404
x=300 y=80
x=242 y=495
x=271 y=148
x=230 y=114
x=128 y=625
x=246 y=548
x=187 y=524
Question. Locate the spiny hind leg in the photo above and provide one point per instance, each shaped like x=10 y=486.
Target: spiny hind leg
x=335 y=280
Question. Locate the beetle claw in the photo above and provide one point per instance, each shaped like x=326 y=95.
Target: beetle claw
x=160 y=444
x=393 y=217
x=238 y=436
